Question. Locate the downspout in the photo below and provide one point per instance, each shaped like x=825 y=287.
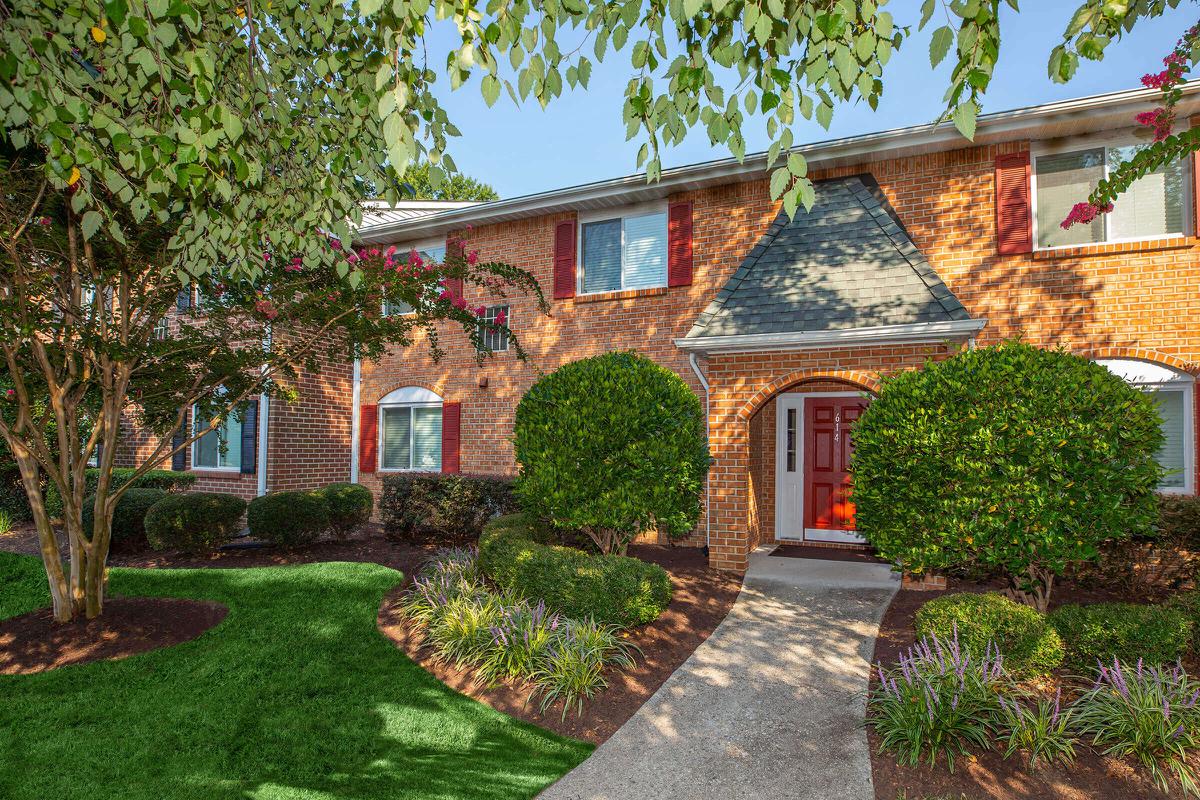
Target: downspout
x=356 y=399
x=264 y=422
x=694 y=362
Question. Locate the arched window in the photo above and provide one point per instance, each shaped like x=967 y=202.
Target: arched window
x=410 y=431
x=1175 y=392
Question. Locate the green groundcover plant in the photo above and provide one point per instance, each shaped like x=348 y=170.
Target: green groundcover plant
x=294 y=696
x=1100 y=632
x=1010 y=459
x=1029 y=644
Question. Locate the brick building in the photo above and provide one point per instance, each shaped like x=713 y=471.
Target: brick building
x=920 y=243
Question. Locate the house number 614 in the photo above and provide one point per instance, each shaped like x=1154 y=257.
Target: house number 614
x=837 y=426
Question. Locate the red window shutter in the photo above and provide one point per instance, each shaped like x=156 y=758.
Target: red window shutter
x=1195 y=184
x=368 y=437
x=454 y=286
x=564 y=259
x=454 y=251
x=451 y=428
x=679 y=244
x=1014 y=220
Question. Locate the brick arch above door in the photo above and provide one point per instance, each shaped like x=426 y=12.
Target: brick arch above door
x=856 y=379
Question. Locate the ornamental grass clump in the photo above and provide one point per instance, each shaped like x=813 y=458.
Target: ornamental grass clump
x=1042 y=729
x=504 y=636
x=939 y=699
x=1148 y=713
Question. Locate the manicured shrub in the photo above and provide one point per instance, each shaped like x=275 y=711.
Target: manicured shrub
x=611 y=446
x=1030 y=645
x=938 y=700
x=194 y=522
x=1042 y=729
x=1189 y=604
x=453 y=507
x=1103 y=631
x=350 y=506
x=1009 y=458
x=504 y=636
x=288 y=519
x=610 y=589
x=154 y=479
x=13 y=500
x=1149 y=714
x=129 y=517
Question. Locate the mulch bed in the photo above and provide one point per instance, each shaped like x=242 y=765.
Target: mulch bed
x=34 y=642
x=701 y=600
x=989 y=775
x=826 y=553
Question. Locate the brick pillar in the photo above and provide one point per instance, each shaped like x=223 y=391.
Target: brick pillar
x=729 y=503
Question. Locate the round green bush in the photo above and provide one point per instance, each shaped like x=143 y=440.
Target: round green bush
x=288 y=519
x=611 y=589
x=349 y=505
x=1011 y=459
x=129 y=517
x=1027 y=641
x=612 y=445
x=194 y=522
x=1102 y=631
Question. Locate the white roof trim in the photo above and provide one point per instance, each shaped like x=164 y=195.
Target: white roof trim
x=912 y=333
x=409 y=395
x=1087 y=113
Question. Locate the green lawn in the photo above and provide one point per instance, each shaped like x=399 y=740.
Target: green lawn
x=295 y=695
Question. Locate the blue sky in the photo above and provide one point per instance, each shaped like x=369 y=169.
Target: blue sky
x=580 y=137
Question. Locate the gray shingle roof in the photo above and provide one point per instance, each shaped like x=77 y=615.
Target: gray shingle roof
x=849 y=263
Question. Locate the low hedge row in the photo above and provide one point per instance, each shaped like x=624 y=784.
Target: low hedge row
x=447 y=506
x=1099 y=632
x=1030 y=646
x=194 y=522
x=129 y=517
x=165 y=479
x=294 y=518
x=611 y=589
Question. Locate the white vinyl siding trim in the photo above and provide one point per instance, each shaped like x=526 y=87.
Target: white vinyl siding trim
x=1154 y=207
x=219 y=449
x=623 y=250
x=410 y=437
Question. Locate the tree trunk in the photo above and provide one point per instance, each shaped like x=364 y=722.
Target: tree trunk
x=1040 y=582
x=60 y=589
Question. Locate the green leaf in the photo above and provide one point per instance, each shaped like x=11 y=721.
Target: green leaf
x=964 y=117
x=939 y=46
x=91 y=223
x=369 y=7
x=490 y=87
x=780 y=179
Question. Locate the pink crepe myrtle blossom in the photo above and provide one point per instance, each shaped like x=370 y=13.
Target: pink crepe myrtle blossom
x=459 y=302
x=352 y=258
x=445 y=294
x=480 y=311
x=267 y=309
x=473 y=257
x=336 y=244
x=1083 y=213
x=501 y=318
x=293 y=268
x=414 y=258
x=391 y=251
x=11 y=393
x=1160 y=119
x=43 y=221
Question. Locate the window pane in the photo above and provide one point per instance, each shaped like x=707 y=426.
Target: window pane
x=435 y=254
x=602 y=256
x=496 y=341
x=231 y=437
x=646 y=251
x=1062 y=181
x=1171 y=456
x=396 y=445
x=1152 y=205
x=219 y=448
x=207 y=450
x=427 y=439
x=398 y=307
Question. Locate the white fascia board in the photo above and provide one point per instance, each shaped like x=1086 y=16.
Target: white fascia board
x=914 y=333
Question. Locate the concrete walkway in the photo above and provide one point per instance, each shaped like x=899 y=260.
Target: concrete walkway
x=770 y=706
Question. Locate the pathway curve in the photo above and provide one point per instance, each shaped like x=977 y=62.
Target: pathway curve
x=770 y=706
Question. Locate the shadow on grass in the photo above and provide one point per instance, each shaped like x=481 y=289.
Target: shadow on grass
x=295 y=695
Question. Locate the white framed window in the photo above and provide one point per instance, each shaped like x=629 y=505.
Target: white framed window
x=160 y=330
x=219 y=449
x=432 y=251
x=1155 y=206
x=1176 y=395
x=494 y=340
x=410 y=431
x=625 y=250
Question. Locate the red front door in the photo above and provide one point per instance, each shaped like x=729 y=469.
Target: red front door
x=827 y=449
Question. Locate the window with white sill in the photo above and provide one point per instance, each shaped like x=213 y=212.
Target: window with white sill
x=623 y=252
x=1175 y=393
x=410 y=431
x=221 y=448
x=1153 y=207
x=430 y=253
x=495 y=340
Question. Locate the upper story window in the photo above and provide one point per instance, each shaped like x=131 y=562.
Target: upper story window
x=1153 y=206
x=496 y=341
x=1175 y=393
x=433 y=251
x=626 y=251
x=410 y=431
x=220 y=448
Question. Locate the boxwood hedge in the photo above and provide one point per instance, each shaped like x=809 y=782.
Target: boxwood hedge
x=612 y=589
x=1029 y=644
x=1103 y=631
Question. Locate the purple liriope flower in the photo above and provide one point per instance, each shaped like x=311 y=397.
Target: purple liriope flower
x=1166 y=709
x=1057 y=705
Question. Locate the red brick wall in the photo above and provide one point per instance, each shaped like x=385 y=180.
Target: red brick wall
x=309 y=440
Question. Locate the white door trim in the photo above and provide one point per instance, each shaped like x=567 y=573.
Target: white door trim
x=798 y=533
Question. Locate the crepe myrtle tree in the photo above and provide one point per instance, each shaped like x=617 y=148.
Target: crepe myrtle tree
x=91 y=329
x=252 y=121
x=1011 y=459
